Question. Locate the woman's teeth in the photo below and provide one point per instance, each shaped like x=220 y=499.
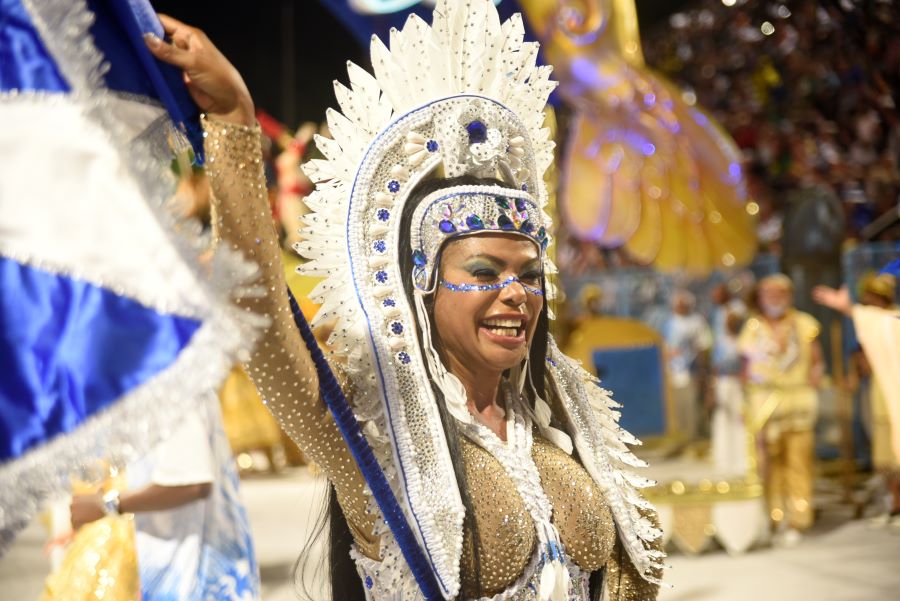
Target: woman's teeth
x=504 y=327
x=504 y=331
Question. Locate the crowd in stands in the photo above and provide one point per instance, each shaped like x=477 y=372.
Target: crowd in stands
x=808 y=91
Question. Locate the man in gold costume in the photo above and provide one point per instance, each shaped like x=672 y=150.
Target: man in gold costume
x=784 y=369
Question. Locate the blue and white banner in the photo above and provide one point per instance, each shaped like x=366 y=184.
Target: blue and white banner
x=110 y=327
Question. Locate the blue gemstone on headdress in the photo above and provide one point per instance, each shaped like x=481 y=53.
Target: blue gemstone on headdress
x=541 y=233
x=397 y=327
x=525 y=187
x=474 y=222
x=379 y=246
x=394 y=186
x=527 y=227
x=369 y=583
x=520 y=204
x=431 y=145
x=381 y=276
x=502 y=202
x=403 y=356
x=419 y=258
x=383 y=214
x=446 y=226
x=545 y=243
x=505 y=223
x=477 y=132
x=388 y=302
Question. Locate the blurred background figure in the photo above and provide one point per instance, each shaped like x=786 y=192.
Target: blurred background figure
x=688 y=340
x=249 y=425
x=878 y=292
x=726 y=403
x=728 y=434
x=191 y=535
x=784 y=370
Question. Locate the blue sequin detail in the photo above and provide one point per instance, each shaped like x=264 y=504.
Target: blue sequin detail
x=502 y=202
x=554 y=551
x=397 y=328
x=389 y=302
x=419 y=258
x=431 y=145
x=520 y=204
x=487 y=287
x=379 y=246
x=403 y=356
x=447 y=226
x=381 y=276
x=477 y=132
x=527 y=227
x=474 y=222
x=383 y=214
x=369 y=582
x=505 y=223
x=525 y=187
x=394 y=186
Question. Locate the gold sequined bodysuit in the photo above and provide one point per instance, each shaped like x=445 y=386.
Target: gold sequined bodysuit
x=284 y=374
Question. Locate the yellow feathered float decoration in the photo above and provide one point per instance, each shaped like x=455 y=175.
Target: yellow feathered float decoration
x=644 y=169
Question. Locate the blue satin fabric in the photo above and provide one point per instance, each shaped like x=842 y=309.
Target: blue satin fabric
x=117 y=31
x=69 y=349
x=25 y=63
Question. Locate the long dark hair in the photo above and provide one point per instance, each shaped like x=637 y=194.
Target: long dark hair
x=345 y=582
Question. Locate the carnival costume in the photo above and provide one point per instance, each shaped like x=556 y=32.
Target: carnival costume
x=784 y=405
x=557 y=500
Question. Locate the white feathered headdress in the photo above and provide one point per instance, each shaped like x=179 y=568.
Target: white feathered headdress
x=466 y=96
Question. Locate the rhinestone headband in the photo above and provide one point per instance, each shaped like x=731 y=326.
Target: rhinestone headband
x=489 y=287
x=467 y=210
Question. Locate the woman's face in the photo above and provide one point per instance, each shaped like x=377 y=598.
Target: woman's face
x=488 y=330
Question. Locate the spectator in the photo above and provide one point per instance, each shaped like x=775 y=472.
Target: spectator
x=688 y=339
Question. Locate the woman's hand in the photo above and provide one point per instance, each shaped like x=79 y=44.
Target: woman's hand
x=213 y=82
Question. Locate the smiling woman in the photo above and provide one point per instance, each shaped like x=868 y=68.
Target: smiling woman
x=494 y=460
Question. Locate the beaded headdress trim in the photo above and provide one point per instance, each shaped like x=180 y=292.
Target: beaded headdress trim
x=466 y=210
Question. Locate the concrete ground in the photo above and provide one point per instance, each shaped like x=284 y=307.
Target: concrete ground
x=840 y=560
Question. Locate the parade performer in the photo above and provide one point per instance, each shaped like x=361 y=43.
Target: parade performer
x=469 y=456
x=784 y=369
x=876 y=320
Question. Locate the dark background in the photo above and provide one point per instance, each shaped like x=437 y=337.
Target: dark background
x=289 y=51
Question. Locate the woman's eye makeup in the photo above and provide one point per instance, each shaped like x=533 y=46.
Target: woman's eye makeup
x=482 y=270
x=486 y=271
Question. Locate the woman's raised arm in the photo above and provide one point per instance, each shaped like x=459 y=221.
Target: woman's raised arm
x=280 y=366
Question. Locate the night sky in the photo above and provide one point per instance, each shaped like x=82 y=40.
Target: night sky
x=289 y=51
